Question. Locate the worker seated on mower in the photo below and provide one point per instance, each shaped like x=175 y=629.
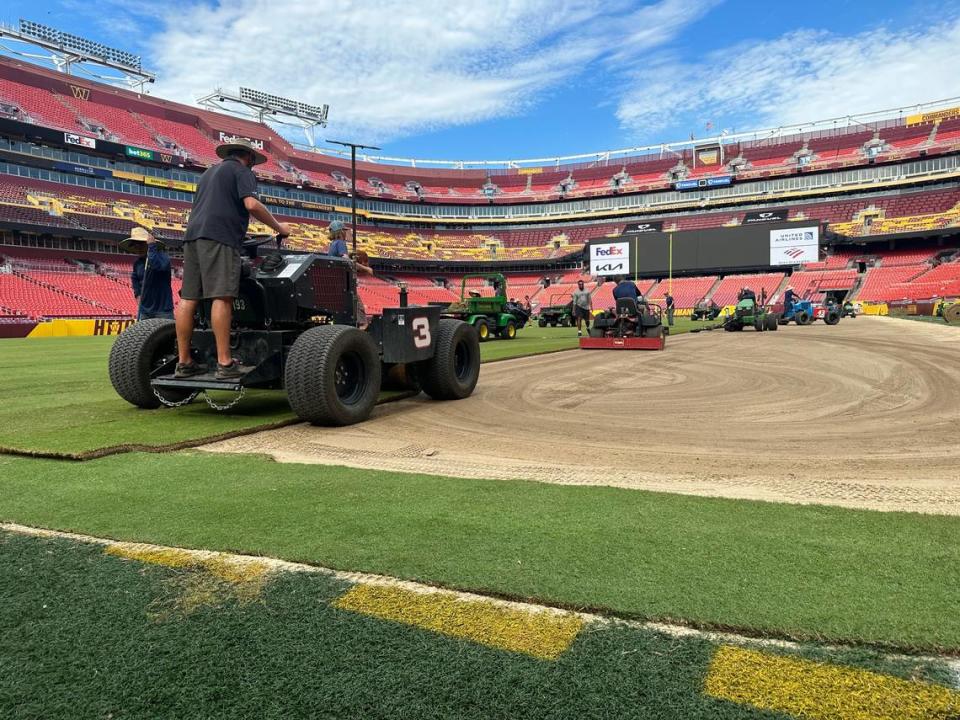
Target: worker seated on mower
x=746 y=294
x=630 y=318
x=627 y=289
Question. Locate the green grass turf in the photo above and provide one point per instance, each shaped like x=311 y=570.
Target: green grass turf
x=85 y=635
x=57 y=397
x=807 y=572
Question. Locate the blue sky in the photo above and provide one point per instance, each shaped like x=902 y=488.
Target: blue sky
x=538 y=78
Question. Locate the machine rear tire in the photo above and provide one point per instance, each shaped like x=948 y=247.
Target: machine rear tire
x=541 y=322
x=772 y=322
x=452 y=372
x=333 y=375
x=803 y=318
x=483 y=330
x=831 y=317
x=759 y=325
x=509 y=331
x=139 y=350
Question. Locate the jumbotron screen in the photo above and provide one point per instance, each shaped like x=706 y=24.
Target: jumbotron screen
x=650 y=253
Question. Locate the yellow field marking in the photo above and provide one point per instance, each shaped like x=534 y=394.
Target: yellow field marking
x=542 y=634
x=220 y=577
x=818 y=691
x=231 y=569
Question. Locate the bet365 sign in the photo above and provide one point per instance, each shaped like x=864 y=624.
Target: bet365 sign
x=610 y=258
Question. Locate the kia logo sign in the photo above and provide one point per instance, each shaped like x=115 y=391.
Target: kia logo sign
x=610 y=258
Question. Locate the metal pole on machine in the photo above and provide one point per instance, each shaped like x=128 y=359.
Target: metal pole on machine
x=353 y=183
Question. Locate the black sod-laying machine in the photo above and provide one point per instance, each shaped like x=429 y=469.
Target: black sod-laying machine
x=295 y=323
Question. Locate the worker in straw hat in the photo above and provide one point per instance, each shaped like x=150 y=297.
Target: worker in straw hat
x=226 y=197
x=150 y=276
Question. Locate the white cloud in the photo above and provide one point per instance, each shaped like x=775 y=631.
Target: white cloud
x=803 y=76
x=389 y=68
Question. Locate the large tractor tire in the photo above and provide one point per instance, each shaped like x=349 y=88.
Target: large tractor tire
x=541 y=322
x=831 y=317
x=733 y=326
x=803 y=318
x=333 y=375
x=508 y=331
x=138 y=351
x=759 y=324
x=452 y=372
x=772 y=321
x=483 y=330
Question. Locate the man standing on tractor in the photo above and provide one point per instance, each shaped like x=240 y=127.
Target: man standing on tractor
x=226 y=198
x=668 y=299
x=582 y=304
x=788 y=297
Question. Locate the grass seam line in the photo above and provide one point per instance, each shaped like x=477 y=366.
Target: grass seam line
x=589 y=615
x=170 y=447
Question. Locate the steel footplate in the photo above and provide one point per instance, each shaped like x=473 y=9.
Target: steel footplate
x=207 y=381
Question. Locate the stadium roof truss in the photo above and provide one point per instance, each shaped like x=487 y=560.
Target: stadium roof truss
x=261 y=105
x=72 y=54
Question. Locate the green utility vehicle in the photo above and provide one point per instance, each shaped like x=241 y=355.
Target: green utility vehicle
x=749 y=313
x=493 y=316
x=556 y=314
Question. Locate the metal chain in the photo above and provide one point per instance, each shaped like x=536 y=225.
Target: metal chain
x=229 y=405
x=174 y=404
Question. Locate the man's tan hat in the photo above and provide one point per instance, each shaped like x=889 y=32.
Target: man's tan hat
x=138 y=235
x=241 y=144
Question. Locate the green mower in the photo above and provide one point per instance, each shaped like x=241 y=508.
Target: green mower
x=492 y=316
x=749 y=313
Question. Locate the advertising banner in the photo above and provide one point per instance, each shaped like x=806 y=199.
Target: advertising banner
x=792 y=246
x=610 y=258
x=74 y=139
x=140 y=153
x=778 y=215
x=644 y=227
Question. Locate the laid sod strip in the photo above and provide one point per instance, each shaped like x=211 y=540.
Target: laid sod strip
x=138 y=632
x=58 y=401
x=543 y=635
x=819 y=691
x=802 y=572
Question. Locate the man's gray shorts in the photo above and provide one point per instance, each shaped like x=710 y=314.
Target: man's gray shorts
x=210 y=270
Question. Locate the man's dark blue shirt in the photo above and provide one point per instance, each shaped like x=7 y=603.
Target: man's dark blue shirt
x=151 y=281
x=626 y=289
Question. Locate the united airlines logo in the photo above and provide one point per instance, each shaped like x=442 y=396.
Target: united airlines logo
x=80 y=93
x=808 y=235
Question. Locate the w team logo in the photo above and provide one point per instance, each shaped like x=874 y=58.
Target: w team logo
x=80 y=93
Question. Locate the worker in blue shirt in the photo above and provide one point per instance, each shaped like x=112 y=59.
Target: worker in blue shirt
x=627 y=289
x=150 y=276
x=338 y=241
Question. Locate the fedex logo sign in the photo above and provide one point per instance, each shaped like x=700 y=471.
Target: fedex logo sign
x=610 y=258
x=606 y=252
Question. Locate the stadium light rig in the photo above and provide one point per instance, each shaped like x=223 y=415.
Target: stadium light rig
x=68 y=52
x=260 y=104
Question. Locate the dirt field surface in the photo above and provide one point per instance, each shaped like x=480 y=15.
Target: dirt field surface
x=863 y=415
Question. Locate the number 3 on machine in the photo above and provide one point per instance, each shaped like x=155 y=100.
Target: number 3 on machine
x=421 y=332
